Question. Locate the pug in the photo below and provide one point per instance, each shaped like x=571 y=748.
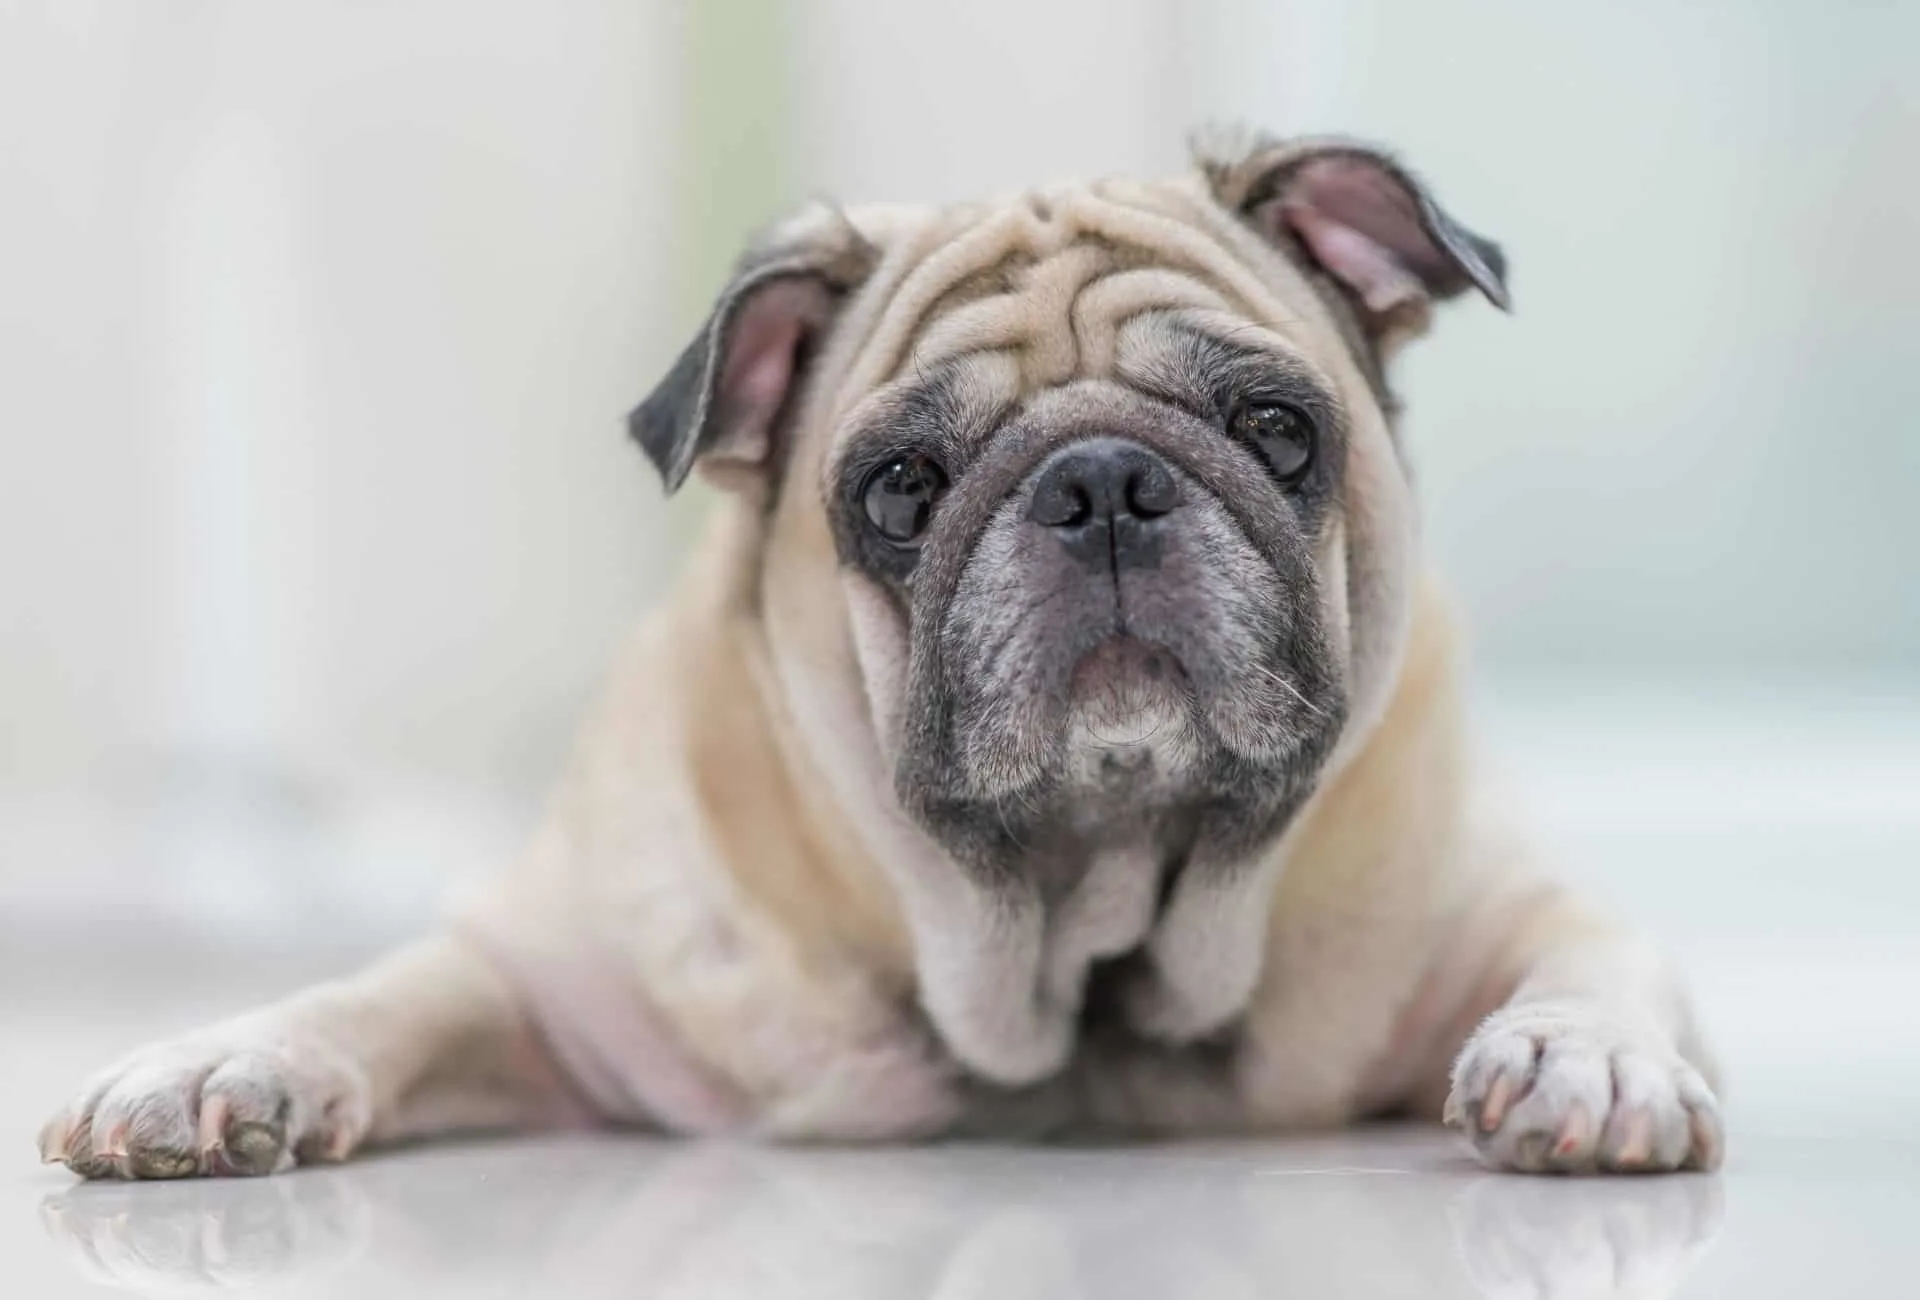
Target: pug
x=1056 y=732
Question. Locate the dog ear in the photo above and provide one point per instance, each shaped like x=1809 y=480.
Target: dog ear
x=1360 y=217
x=722 y=404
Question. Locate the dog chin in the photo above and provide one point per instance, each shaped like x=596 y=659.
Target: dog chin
x=1130 y=713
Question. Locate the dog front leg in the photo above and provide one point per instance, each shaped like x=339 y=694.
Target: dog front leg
x=1592 y=1064
x=427 y=1040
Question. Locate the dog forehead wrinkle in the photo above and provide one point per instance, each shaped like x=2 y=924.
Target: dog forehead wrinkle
x=956 y=244
x=1035 y=316
x=1159 y=227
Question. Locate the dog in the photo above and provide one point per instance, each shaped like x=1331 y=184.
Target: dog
x=1057 y=732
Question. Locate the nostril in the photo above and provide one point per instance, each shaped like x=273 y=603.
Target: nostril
x=1151 y=491
x=1076 y=507
x=1081 y=507
x=1061 y=505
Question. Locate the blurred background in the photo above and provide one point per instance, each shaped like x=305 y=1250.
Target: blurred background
x=318 y=321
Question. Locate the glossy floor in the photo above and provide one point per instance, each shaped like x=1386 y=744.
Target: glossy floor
x=1392 y=1213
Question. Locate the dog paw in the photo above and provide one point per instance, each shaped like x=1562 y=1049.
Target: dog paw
x=240 y=1100
x=1566 y=1088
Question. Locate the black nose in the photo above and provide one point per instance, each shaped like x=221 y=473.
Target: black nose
x=1102 y=498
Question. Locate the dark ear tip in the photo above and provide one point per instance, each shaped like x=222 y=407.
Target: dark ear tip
x=654 y=431
x=1496 y=289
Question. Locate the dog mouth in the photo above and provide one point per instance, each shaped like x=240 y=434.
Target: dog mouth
x=1121 y=664
x=1125 y=690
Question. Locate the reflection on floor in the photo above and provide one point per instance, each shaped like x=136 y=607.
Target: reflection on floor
x=581 y=1218
x=1391 y=1213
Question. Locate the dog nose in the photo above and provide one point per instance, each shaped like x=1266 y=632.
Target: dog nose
x=1102 y=498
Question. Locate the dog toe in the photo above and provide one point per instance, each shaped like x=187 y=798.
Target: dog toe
x=1564 y=1090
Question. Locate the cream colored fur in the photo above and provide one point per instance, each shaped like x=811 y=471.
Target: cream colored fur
x=727 y=924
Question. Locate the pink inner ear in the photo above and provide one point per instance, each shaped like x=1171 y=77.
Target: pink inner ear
x=1360 y=221
x=1370 y=270
x=763 y=345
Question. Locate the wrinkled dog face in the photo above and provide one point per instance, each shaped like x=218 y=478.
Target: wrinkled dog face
x=1112 y=588
x=1105 y=471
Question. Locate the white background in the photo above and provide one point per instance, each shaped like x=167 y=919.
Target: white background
x=318 y=322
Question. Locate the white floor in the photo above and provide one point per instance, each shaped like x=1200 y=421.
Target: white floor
x=1391 y=1214
x=1775 y=842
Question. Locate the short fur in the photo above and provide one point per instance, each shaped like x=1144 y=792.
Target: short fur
x=987 y=834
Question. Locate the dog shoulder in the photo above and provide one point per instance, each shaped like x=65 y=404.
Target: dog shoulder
x=682 y=880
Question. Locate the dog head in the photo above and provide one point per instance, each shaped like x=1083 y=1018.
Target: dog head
x=1118 y=522
x=1078 y=518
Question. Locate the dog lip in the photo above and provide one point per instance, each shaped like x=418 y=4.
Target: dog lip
x=1124 y=659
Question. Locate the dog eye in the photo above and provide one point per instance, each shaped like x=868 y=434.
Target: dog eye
x=1281 y=433
x=899 y=496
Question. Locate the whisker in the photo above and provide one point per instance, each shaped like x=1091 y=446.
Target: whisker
x=1290 y=689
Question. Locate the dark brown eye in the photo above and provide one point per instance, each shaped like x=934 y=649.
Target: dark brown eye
x=899 y=496
x=1281 y=433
